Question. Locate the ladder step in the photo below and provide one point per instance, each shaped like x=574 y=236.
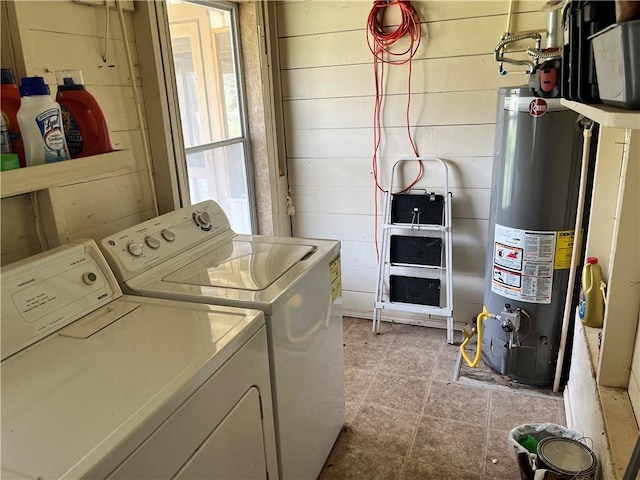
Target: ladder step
x=416 y=228
x=415 y=308
x=415 y=265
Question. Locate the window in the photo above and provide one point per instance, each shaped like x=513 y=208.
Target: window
x=204 y=41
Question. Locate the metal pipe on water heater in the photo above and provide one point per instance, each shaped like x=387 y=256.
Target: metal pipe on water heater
x=554 y=39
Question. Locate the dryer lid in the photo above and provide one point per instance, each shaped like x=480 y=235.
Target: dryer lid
x=69 y=403
x=243 y=265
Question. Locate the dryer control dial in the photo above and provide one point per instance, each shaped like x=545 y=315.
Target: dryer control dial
x=135 y=249
x=152 y=242
x=168 y=235
x=89 y=278
x=203 y=220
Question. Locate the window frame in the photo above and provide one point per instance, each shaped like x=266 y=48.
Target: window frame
x=181 y=162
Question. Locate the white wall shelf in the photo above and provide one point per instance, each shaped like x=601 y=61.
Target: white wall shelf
x=598 y=394
x=619 y=420
x=41 y=177
x=606 y=115
x=603 y=414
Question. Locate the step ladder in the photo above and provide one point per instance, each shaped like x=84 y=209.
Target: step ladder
x=415 y=268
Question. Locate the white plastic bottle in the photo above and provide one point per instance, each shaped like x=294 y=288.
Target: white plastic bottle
x=40 y=121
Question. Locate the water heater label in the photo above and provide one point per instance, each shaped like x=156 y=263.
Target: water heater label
x=564 y=249
x=523 y=262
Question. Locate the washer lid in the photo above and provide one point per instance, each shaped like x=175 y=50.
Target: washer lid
x=243 y=265
x=70 y=402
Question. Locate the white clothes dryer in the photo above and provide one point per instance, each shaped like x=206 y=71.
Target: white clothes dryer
x=100 y=385
x=192 y=255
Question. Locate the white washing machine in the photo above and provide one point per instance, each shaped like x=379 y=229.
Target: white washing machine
x=100 y=385
x=192 y=254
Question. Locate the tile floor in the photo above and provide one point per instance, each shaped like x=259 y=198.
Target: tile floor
x=407 y=419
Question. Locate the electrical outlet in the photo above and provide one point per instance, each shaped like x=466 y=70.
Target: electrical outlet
x=291 y=209
x=127 y=5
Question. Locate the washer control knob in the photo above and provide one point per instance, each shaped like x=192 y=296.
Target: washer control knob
x=152 y=242
x=203 y=219
x=135 y=249
x=89 y=278
x=168 y=235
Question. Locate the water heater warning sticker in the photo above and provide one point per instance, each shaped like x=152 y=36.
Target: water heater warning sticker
x=523 y=262
x=510 y=257
x=506 y=278
x=564 y=249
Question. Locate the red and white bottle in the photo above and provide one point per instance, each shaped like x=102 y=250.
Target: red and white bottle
x=85 y=127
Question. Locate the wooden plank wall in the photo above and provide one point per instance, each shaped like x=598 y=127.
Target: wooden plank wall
x=66 y=35
x=328 y=90
x=634 y=377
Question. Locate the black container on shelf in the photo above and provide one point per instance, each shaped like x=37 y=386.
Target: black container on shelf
x=568 y=88
x=582 y=19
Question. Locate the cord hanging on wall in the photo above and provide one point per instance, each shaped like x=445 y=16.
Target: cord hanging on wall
x=383 y=43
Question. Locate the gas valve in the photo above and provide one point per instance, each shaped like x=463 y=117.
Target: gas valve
x=507 y=326
x=509 y=320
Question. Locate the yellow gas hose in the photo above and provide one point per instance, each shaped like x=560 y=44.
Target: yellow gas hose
x=469 y=335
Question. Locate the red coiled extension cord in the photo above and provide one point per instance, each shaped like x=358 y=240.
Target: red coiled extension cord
x=381 y=41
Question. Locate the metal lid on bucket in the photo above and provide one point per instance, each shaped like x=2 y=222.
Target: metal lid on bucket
x=567 y=456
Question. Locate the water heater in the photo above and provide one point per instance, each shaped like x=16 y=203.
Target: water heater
x=536 y=174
